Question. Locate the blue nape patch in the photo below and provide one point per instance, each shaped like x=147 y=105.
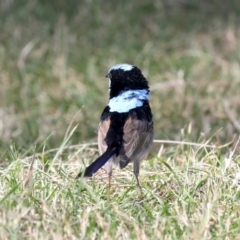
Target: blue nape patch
x=128 y=100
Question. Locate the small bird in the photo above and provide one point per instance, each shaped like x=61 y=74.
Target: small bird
x=125 y=131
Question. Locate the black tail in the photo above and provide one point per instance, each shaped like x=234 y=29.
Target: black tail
x=98 y=163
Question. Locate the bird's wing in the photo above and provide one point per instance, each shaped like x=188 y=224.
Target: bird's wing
x=138 y=137
x=102 y=132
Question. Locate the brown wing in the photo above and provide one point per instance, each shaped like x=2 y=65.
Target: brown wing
x=102 y=132
x=102 y=146
x=138 y=137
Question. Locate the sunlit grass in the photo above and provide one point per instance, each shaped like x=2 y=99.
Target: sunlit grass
x=188 y=193
x=54 y=57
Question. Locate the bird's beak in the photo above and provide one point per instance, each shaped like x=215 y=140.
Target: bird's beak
x=107 y=76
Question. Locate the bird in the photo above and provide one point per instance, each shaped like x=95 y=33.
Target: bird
x=126 y=128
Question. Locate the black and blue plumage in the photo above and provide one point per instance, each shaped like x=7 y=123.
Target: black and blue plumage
x=126 y=128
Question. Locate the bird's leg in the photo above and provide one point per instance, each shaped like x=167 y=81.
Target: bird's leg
x=136 y=166
x=138 y=184
x=108 y=168
x=109 y=184
x=109 y=180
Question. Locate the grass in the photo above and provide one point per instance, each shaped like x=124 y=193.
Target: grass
x=189 y=193
x=53 y=59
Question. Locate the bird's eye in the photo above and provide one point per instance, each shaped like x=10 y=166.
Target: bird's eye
x=108 y=75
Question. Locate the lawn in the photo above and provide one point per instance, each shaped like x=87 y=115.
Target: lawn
x=53 y=59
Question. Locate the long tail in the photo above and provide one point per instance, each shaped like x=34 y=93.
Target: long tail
x=98 y=163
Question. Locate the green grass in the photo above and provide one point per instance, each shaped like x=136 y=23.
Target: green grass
x=53 y=59
x=188 y=193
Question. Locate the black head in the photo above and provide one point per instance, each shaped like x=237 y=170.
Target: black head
x=124 y=77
